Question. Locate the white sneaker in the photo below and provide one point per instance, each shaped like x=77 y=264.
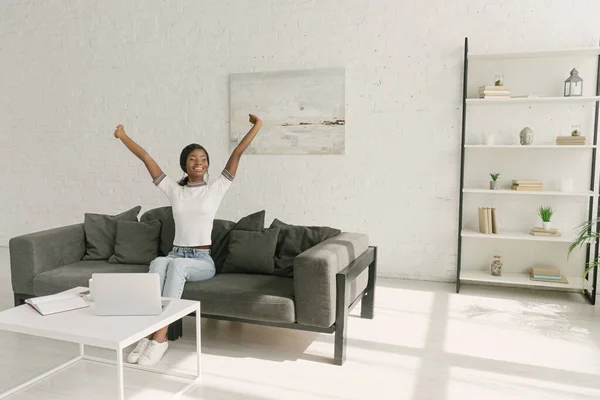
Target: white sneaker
x=153 y=353
x=141 y=347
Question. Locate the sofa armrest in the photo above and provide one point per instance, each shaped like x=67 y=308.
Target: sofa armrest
x=315 y=277
x=37 y=252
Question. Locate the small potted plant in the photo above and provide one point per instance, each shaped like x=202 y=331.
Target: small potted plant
x=499 y=80
x=545 y=214
x=575 y=130
x=494 y=181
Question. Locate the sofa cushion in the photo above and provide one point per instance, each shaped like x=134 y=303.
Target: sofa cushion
x=77 y=274
x=220 y=247
x=101 y=233
x=264 y=298
x=137 y=242
x=167 y=230
x=219 y=235
x=251 y=252
x=295 y=239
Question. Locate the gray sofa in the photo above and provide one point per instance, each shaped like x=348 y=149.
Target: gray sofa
x=329 y=279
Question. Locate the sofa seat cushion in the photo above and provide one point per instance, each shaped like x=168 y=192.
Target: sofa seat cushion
x=264 y=298
x=77 y=274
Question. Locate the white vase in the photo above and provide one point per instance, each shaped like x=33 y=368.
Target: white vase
x=546 y=225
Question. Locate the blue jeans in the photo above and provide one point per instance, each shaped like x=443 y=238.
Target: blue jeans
x=180 y=265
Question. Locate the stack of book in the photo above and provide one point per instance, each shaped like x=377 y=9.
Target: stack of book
x=494 y=92
x=487 y=220
x=527 y=184
x=536 y=231
x=571 y=140
x=547 y=274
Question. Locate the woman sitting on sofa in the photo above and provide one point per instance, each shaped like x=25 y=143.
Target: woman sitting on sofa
x=194 y=203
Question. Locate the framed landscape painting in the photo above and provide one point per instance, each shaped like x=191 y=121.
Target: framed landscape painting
x=303 y=111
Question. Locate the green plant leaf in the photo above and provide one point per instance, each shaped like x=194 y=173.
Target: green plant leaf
x=545 y=213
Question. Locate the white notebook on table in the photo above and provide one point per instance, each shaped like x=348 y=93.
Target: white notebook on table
x=56 y=303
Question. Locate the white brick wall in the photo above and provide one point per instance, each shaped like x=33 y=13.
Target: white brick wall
x=72 y=70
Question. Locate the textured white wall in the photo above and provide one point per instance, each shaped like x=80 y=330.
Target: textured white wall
x=72 y=70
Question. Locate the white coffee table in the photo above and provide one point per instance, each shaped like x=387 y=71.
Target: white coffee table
x=110 y=332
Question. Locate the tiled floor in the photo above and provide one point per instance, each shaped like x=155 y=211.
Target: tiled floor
x=426 y=342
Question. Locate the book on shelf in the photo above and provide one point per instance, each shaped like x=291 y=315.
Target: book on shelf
x=487 y=220
x=493 y=92
x=56 y=303
x=537 y=231
x=571 y=140
x=494 y=88
x=527 y=187
x=482 y=220
x=527 y=182
x=547 y=274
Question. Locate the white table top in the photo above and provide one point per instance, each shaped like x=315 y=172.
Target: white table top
x=85 y=327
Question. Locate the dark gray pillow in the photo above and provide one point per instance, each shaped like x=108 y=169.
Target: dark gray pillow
x=221 y=234
x=101 y=233
x=167 y=229
x=137 y=242
x=295 y=239
x=251 y=252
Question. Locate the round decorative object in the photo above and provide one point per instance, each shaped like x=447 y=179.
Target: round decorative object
x=526 y=136
x=496 y=267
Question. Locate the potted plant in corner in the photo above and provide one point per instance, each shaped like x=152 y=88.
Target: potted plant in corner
x=494 y=181
x=545 y=214
x=586 y=236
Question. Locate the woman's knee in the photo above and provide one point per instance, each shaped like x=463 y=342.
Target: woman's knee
x=178 y=266
x=159 y=264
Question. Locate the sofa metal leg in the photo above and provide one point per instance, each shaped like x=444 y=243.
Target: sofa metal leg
x=341 y=320
x=368 y=300
x=175 y=330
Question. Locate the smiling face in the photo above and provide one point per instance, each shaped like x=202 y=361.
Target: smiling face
x=196 y=165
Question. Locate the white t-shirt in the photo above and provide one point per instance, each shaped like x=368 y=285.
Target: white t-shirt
x=194 y=207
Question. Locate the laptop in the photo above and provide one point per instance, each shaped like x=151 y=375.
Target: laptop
x=126 y=293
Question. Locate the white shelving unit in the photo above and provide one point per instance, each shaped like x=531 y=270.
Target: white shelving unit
x=480 y=274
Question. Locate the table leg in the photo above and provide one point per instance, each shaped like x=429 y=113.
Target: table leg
x=199 y=359
x=81 y=350
x=120 y=373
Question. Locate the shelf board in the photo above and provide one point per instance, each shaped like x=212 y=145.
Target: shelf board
x=574 y=52
x=531 y=100
x=533 y=146
x=517 y=235
x=588 y=193
x=513 y=279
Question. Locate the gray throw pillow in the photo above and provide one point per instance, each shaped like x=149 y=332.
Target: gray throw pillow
x=137 y=242
x=167 y=228
x=101 y=233
x=251 y=252
x=295 y=239
x=222 y=231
